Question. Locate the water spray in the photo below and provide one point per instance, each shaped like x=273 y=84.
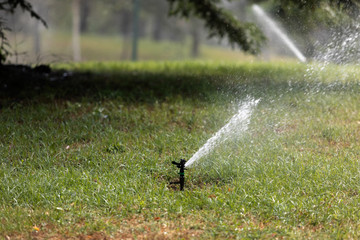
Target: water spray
x=263 y=17
x=237 y=125
x=180 y=165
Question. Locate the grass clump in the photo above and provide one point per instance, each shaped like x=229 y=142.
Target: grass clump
x=89 y=155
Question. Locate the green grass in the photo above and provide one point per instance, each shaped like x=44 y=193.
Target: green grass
x=90 y=156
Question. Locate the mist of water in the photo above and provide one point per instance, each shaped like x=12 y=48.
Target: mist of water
x=266 y=20
x=237 y=125
x=342 y=48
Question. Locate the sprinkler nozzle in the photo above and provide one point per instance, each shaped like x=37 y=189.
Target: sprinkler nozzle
x=180 y=165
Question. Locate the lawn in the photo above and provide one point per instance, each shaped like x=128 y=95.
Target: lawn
x=88 y=155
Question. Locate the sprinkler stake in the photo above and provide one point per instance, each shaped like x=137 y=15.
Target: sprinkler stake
x=181 y=181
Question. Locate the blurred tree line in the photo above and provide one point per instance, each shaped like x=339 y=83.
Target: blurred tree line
x=115 y=17
x=110 y=17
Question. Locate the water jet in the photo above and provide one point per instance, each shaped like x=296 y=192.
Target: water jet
x=236 y=126
x=266 y=20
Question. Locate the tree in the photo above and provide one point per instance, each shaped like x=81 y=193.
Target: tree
x=158 y=10
x=76 y=29
x=195 y=35
x=246 y=35
x=9 y=6
x=40 y=8
x=220 y=23
x=218 y=20
x=318 y=19
x=84 y=15
x=125 y=29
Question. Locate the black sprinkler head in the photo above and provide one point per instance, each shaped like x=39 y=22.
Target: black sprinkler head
x=180 y=165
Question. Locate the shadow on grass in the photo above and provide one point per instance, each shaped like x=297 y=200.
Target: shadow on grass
x=25 y=84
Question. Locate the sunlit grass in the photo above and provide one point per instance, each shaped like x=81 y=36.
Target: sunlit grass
x=91 y=156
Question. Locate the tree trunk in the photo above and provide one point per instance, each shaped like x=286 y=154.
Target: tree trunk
x=84 y=15
x=125 y=26
x=157 y=30
x=37 y=38
x=76 y=30
x=195 y=35
x=36 y=30
x=135 y=29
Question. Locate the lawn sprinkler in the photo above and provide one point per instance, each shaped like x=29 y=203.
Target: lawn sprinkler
x=180 y=165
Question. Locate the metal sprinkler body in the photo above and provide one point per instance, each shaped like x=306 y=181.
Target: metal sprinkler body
x=180 y=165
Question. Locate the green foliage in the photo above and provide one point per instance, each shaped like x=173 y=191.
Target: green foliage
x=334 y=11
x=221 y=23
x=9 y=6
x=4 y=44
x=304 y=16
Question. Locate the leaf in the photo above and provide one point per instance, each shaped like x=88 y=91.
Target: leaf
x=35 y=228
